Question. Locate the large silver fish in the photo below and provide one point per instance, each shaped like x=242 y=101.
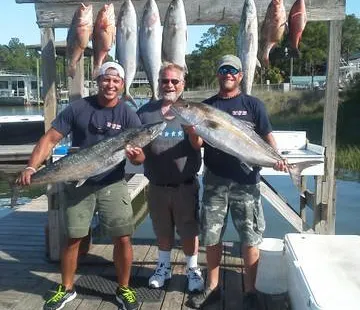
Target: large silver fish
x=272 y=29
x=233 y=136
x=78 y=36
x=247 y=44
x=175 y=34
x=97 y=158
x=150 y=37
x=103 y=35
x=127 y=44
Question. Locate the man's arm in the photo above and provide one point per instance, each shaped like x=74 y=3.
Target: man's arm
x=39 y=154
x=281 y=164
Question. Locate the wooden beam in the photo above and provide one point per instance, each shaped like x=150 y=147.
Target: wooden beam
x=58 y=14
x=280 y=205
x=329 y=125
x=76 y=84
x=48 y=74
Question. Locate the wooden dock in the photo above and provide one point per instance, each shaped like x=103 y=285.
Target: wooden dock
x=27 y=275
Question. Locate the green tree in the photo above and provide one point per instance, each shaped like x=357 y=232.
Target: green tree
x=350 y=41
x=16 y=57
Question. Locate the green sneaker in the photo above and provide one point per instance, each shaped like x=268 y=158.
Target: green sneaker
x=59 y=298
x=126 y=297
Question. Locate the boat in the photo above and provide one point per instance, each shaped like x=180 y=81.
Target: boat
x=18 y=89
x=21 y=129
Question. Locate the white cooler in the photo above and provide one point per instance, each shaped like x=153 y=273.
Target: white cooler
x=323 y=271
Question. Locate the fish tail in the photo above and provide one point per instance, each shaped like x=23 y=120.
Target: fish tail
x=95 y=72
x=14 y=189
x=296 y=169
x=295 y=53
x=130 y=98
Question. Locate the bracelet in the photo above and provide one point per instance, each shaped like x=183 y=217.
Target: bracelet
x=30 y=168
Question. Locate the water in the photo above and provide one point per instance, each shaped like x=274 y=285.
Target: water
x=347 y=197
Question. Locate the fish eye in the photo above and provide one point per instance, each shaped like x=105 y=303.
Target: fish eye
x=187 y=105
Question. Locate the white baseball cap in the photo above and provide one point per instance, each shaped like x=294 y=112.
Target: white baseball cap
x=111 y=65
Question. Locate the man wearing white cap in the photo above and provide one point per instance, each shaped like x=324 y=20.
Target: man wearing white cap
x=90 y=120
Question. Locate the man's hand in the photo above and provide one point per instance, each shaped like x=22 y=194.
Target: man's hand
x=194 y=139
x=25 y=176
x=190 y=130
x=281 y=165
x=135 y=154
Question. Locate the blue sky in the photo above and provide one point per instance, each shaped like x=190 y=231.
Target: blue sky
x=19 y=20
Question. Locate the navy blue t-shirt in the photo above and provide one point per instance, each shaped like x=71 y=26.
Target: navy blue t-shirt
x=170 y=158
x=243 y=107
x=89 y=123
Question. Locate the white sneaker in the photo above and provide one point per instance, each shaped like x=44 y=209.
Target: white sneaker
x=195 y=280
x=161 y=274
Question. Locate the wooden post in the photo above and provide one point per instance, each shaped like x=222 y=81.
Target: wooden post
x=319 y=219
x=302 y=200
x=48 y=74
x=55 y=223
x=76 y=84
x=329 y=126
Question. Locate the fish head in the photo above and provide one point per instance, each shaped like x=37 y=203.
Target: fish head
x=85 y=14
x=145 y=134
x=106 y=16
x=249 y=8
x=188 y=113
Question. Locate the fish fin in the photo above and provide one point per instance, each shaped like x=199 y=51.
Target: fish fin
x=249 y=125
x=130 y=98
x=211 y=124
x=258 y=64
x=80 y=182
x=95 y=72
x=246 y=168
x=296 y=169
x=71 y=71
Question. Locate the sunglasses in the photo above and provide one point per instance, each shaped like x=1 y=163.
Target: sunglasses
x=167 y=81
x=228 y=70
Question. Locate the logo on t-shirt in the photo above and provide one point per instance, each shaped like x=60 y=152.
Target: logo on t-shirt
x=239 y=113
x=172 y=133
x=113 y=126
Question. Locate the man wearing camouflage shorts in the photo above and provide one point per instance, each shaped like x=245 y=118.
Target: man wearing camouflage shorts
x=228 y=185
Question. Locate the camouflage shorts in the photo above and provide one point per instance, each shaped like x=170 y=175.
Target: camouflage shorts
x=243 y=201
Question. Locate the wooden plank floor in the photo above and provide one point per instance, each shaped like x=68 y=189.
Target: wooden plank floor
x=26 y=275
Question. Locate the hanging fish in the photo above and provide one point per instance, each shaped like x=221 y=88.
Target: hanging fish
x=150 y=37
x=78 y=36
x=272 y=29
x=175 y=34
x=247 y=44
x=103 y=35
x=127 y=45
x=297 y=21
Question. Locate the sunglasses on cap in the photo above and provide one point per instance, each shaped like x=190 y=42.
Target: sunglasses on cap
x=228 y=70
x=167 y=81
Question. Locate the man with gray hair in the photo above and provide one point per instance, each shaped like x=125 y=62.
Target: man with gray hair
x=171 y=163
x=228 y=187
x=90 y=120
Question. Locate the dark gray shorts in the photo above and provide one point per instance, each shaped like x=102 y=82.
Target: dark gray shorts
x=243 y=201
x=112 y=202
x=172 y=207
